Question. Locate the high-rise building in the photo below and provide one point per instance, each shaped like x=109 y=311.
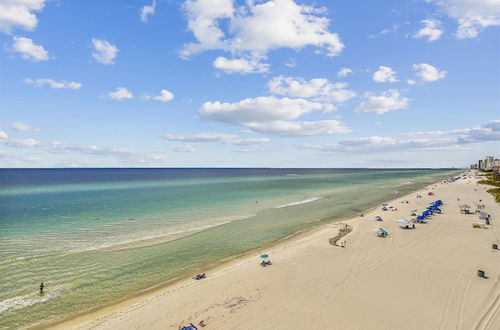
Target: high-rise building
x=489 y=163
x=480 y=164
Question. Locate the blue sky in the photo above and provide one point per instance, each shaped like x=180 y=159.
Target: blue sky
x=269 y=83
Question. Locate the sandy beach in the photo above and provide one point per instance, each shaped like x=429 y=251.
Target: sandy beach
x=424 y=278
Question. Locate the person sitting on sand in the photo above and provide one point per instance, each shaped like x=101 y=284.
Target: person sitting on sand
x=41 y=287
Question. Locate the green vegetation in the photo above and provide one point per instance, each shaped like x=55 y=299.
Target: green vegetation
x=492 y=180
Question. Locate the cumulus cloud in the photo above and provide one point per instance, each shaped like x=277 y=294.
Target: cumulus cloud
x=385 y=74
x=121 y=93
x=258 y=110
x=22 y=127
x=21 y=14
x=29 y=50
x=53 y=84
x=3 y=135
x=215 y=137
x=165 y=96
x=184 y=148
x=65 y=148
x=304 y=128
x=428 y=72
x=273 y=115
x=254 y=29
x=431 y=30
x=411 y=82
x=240 y=65
x=488 y=132
x=344 y=72
x=389 y=100
x=104 y=52
x=472 y=16
x=320 y=89
x=21 y=143
x=147 y=11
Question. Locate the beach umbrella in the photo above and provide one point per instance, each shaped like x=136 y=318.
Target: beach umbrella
x=264 y=256
x=420 y=217
x=404 y=221
x=378 y=217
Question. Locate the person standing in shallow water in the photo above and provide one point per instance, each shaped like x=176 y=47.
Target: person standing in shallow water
x=41 y=287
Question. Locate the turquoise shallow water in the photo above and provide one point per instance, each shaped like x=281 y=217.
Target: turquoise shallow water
x=98 y=235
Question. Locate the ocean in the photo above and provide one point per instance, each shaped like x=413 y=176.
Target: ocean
x=96 y=236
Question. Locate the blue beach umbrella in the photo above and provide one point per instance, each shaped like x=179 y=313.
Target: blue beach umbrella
x=264 y=256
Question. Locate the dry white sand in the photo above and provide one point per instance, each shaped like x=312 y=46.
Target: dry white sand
x=414 y=279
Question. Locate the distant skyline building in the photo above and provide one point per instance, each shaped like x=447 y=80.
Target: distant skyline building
x=488 y=164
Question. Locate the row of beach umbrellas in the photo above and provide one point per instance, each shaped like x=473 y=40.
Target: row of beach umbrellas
x=431 y=209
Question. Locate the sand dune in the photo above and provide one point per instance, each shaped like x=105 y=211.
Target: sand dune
x=414 y=279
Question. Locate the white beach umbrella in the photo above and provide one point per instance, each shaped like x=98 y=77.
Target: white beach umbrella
x=404 y=221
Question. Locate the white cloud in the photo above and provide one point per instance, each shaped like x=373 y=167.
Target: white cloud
x=258 y=110
x=385 y=74
x=53 y=84
x=411 y=82
x=22 y=127
x=248 y=141
x=165 y=96
x=104 y=52
x=343 y=72
x=393 y=28
x=305 y=128
x=272 y=115
x=121 y=93
x=428 y=72
x=147 y=11
x=15 y=13
x=488 y=132
x=3 y=135
x=16 y=157
x=432 y=30
x=21 y=143
x=240 y=65
x=64 y=148
x=184 y=148
x=200 y=137
x=389 y=100
x=215 y=137
x=29 y=50
x=473 y=16
x=255 y=29
x=320 y=89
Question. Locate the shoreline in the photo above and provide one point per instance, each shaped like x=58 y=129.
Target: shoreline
x=219 y=266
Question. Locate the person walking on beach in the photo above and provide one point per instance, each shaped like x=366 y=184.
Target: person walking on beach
x=41 y=287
